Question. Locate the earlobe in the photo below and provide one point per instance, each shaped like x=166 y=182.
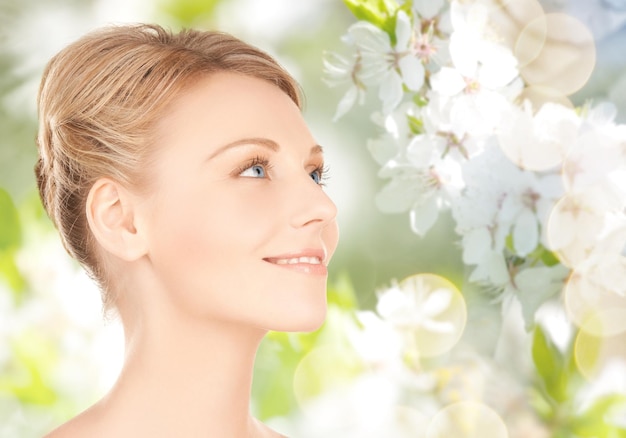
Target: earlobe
x=110 y=210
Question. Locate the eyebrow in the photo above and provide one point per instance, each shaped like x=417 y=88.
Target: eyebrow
x=265 y=142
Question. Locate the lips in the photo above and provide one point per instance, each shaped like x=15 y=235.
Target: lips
x=295 y=260
x=308 y=261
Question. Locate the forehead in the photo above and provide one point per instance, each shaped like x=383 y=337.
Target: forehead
x=224 y=107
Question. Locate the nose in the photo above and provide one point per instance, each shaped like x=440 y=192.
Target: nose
x=311 y=205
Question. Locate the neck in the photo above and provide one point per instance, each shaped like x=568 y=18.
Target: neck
x=187 y=377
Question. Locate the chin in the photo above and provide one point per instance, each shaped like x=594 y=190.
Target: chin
x=308 y=321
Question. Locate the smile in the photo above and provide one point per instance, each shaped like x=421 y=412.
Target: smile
x=295 y=260
x=311 y=263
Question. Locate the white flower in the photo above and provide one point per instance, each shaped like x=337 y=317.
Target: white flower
x=339 y=70
x=486 y=180
x=420 y=180
x=416 y=305
x=472 y=18
x=501 y=200
x=431 y=27
x=422 y=191
x=392 y=144
x=534 y=286
x=527 y=206
x=407 y=187
x=370 y=406
x=428 y=9
x=385 y=65
x=540 y=141
x=376 y=342
x=607 y=262
x=575 y=226
x=483 y=247
x=597 y=152
x=482 y=70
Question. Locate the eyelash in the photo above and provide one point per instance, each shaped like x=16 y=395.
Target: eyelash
x=321 y=170
x=256 y=161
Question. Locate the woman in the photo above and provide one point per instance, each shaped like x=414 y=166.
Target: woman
x=181 y=174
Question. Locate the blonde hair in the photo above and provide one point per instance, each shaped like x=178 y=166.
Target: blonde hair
x=98 y=100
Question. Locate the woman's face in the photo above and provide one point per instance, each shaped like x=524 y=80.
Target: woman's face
x=240 y=230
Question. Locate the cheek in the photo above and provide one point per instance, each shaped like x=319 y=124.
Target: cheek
x=215 y=231
x=199 y=249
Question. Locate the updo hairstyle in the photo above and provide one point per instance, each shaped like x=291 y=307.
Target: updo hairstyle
x=99 y=101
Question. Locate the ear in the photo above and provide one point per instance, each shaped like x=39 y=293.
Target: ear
x=111 y=217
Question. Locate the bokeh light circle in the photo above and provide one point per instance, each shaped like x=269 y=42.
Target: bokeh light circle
x=322 y=369
x=537 y=141
x=573 y=228
x=436 y=303
x=556 y=51
x=593 y=353
x=539 y=95
x=467 y=419
x=510 y=17
x=595 y=309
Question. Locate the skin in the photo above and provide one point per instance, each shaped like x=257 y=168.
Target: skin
x=233 y=189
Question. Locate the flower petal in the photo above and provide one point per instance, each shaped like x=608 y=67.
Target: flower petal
x=382 y=149
x=424 y=215
x=525 y=233
x=422 y=150
x=370 y=38
x=390 y=91
x=496 y=268
x=391 y=301
x=476 y=243
x=437 y=326
x=412 y=71
x=404 y=29
x=428 y=8
x=447 y=81
x=346 y=102
x=398 y=195
x=437 y=301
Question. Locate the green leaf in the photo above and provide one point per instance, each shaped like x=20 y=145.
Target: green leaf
x=10 y=241
x=12 y=275
x=508 y=243
x=593 y=422
x=415 y=125
x=549 y=258
x=381 y=13
x=341 y=293
x=10 y=230
x=420 y=100
x=33 y=358
x=539 y=403
x=550 y=365
x=188 y=13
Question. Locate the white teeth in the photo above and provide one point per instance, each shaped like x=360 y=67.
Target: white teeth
x=293 y=261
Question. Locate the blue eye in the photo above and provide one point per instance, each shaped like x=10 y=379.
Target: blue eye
x=254 y=171
x=257 y=167
x=315 y=176
x=319 y=175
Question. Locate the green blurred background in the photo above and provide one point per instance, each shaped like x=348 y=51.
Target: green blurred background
x=373 y=246
x=45 y=373
x=49 y=313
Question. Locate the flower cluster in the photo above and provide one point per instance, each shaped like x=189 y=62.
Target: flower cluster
x=475 y=118
x=536 y=187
